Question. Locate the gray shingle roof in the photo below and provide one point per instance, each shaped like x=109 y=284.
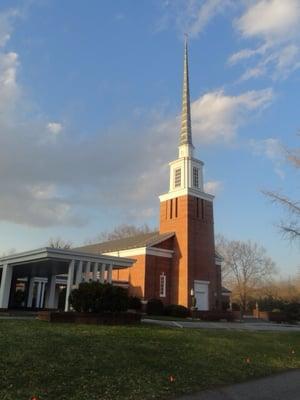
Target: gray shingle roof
x=132 y=242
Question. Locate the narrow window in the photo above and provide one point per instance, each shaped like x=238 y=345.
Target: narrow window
x=177 y=177
x=195 y=177
x=202 y=209
x=197 y=208
x=176 y=207
x=171 y=208
x=162 y=285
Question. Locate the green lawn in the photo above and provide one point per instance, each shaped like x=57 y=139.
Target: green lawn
x=92 y=362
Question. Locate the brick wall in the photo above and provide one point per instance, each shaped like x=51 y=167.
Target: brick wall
x=194 y=250
x=135 y=275
x=155 y=266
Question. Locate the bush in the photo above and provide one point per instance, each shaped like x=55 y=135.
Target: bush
x=155 y=307
x=98 y=297
x=174 y=310
x=135 y=303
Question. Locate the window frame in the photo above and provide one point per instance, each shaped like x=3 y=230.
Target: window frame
x=162 y=285
x=195 y=177
x=177 y=177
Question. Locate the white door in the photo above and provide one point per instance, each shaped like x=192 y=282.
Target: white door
x=201 y=295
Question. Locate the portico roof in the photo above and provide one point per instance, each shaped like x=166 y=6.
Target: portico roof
x=60 y=257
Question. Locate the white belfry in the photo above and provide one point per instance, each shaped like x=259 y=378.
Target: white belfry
x=186 y=173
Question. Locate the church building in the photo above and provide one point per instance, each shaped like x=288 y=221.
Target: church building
x=179 y=261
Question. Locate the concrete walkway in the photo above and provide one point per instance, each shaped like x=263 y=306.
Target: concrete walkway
x=242 y=326
x=284 y=386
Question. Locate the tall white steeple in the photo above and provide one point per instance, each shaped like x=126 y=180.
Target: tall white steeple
x=186 y=173
x=185 y=141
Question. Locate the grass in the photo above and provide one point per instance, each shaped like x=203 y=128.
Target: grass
x=60 y=361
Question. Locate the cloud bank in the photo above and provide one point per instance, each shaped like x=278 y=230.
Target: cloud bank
x=273 y=25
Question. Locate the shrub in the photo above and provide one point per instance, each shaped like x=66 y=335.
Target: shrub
x=135 y=303
x=155 y=307
x=98 y=297
x=175 y=310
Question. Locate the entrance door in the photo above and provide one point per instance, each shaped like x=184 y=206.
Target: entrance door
x=201 y=295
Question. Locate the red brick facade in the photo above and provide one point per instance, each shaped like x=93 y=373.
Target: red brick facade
x=193 y=257
x=191 y=219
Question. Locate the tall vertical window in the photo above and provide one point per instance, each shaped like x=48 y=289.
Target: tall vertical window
x=177 y=177
x=195 y=177
x=162 y=285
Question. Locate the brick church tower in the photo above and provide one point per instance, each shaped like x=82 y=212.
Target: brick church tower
x=187 y=211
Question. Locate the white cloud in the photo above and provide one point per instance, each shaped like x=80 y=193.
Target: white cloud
x=217 y=116
x=213 y=187
x=55 y=128
x=272 y=149
x=191 y=16
x=274 y=20
x=275 y=23
x=6 y=28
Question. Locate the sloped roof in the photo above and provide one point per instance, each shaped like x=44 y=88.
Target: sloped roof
x=132 y=242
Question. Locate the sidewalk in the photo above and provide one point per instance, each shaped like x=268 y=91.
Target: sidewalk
x=285 y=386
x=241 y=326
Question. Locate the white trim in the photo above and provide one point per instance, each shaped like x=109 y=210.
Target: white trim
x=164 y=292
x=62 y=254
x=151 y=251
x=185 y=192
x=204 y=289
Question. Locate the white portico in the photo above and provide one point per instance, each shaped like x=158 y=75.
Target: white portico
x=41 y=270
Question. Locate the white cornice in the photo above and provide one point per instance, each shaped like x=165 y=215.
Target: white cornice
x=184 y=192
x=139 y=251
x=48 y=253
x=180 y=159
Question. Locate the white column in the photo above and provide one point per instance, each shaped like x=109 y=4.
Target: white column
x=102 y=273
x=7 y=271
x=95 y=270
x=50 y=303
x=69 y=283
x=42 y=295
x=87 y=271
x=79 y=273
x=30 y=292
x=38 y=295
x=109 y=277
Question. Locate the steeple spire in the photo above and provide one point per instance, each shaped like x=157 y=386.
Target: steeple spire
x=186 y=129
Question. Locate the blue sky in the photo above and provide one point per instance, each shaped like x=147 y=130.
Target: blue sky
x=89 y=105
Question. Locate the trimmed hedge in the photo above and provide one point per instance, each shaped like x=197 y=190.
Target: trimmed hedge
x=103 y=318
x=174 y=310
x=214 y=315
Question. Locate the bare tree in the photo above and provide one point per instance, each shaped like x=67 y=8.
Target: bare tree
x=58 y=243
x=246 y=267
x=122 y=231
x=290 y=227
